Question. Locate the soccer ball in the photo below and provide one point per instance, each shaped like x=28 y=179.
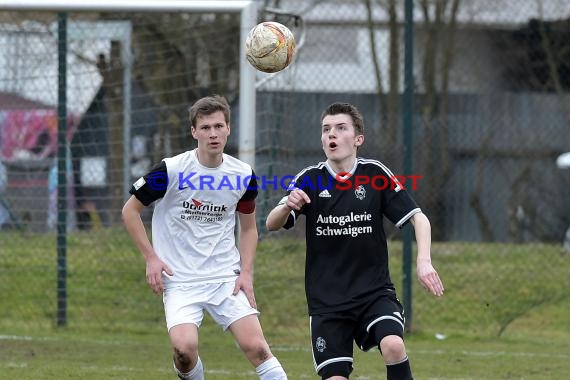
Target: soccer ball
x=270 y=47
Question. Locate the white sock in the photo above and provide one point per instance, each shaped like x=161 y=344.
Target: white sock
x=196 y=373
x=271 y=370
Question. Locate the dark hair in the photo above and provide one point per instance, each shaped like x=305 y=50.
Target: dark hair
x=350 y=110
x=207 y=106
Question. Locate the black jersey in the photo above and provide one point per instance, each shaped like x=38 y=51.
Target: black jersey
x=347 y=254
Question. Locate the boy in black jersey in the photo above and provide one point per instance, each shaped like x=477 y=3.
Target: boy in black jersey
x=347 y=281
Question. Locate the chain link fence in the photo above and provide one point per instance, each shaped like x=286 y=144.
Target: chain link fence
x=491 y=117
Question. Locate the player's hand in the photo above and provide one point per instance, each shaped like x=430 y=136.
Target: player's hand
x=429 y=278
x=296 y=199
x=244 y=282
x=154 y=269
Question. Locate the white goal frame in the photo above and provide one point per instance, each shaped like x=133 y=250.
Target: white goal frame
x=248 y=14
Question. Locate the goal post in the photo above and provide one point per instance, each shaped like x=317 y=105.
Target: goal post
x=109 y=32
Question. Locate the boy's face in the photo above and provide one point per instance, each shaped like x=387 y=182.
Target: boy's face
x=339 y=137
x=211 y=132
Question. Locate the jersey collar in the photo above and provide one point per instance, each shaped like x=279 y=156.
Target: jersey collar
x=346 y=175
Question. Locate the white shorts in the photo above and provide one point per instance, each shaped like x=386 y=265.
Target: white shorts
x=186 y=304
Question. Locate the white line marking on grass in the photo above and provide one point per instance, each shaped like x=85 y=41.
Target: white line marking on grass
x=248 y=374
x=15 y=365
x=15 y=337
x=122 y=368
x=31 y=338
x=55 y=338
x=225 y=372
x=307 y=349
x=490 y=353
x=449 y=352
x=166 y=369
x=290 y=348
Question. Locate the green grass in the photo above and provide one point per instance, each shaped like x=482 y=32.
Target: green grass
x=505 y=313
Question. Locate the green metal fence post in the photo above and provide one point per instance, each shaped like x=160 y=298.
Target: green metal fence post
x=61 y=170
x=407 y=117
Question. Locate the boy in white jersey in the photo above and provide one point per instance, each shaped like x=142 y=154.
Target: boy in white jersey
x=350 y=296
x=193 y=260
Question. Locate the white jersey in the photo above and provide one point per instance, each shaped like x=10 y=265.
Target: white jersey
x=195 y=215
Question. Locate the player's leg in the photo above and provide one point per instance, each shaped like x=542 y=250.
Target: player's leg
x=249 y=336
x=331 y=341
x=383 y=327
x=183 y=320
x=184 y=341
x=394 y=353
x=236 y=314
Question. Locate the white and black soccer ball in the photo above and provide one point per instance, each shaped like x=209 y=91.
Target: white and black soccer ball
x=270 y=47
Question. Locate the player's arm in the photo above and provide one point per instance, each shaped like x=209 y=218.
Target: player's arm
x=426 y=273
x=247 y=248
x=400 y=209
x=279 y=215
x=146 y=190
x=131 y=214
x=247 y=240
x=133 y=223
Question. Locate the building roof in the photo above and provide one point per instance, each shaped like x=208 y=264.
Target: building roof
x=474 y=12
x=11 y=101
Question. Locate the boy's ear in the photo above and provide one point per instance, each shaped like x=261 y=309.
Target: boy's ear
x=359 y=140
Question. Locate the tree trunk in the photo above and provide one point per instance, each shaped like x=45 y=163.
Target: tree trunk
x=113 y=83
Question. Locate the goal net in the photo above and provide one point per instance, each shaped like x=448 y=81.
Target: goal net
x=132 y=72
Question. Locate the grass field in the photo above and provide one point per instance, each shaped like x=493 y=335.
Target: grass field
x=505 y=314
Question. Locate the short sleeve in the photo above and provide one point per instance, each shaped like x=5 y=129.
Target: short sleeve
x=152 y=186
x=252 y=189
x=400 y=207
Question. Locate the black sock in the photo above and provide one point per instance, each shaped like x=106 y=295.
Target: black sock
x=399 y=371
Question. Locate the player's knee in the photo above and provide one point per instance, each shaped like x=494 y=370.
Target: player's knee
x=392 y=348
x=336 y=369
x=186 y=356
x=256 y=349
x=183 y=342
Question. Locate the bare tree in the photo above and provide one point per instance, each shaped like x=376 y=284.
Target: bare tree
x=388 y=102
x=536 y=57
x=374 y=56
x=177 y=58
x=440 y=23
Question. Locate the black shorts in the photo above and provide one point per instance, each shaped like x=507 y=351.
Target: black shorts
x=332 y=334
